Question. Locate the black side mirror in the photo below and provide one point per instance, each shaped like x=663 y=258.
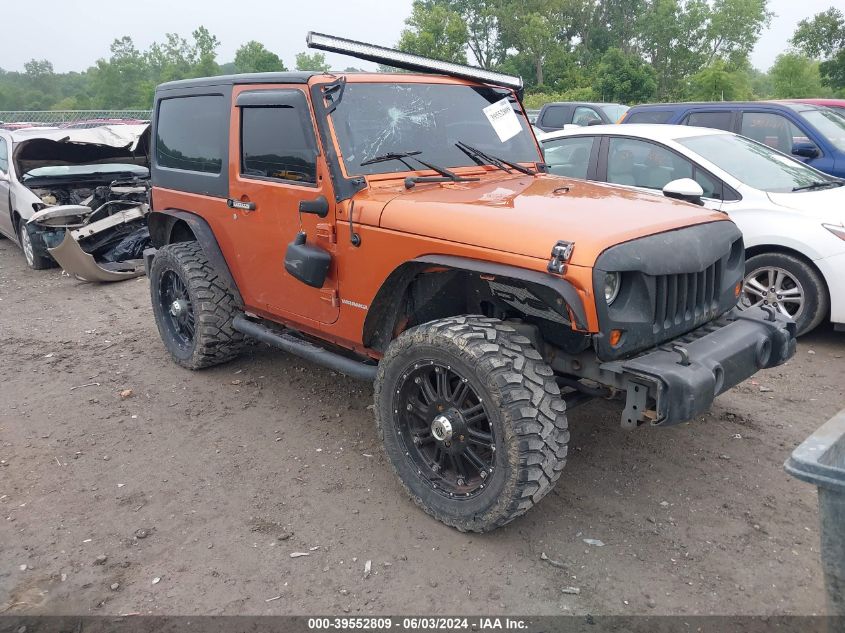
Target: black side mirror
x=318 y=206
x=805 y=150
x=309 y=264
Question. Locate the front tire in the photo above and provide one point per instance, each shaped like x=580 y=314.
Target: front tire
x=36 y=257
x=193 y=309
x=790 y=285
x=472 y=420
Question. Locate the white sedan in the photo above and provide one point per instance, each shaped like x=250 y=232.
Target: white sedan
x=792 y=216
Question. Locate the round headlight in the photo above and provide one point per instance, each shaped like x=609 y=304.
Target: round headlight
x=612 y=282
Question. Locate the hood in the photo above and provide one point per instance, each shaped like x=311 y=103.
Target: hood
x=39 y=147
x=527 y=215
x=827 y=205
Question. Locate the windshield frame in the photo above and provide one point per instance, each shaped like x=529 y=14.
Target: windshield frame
x=736 y=138
x=396 y=169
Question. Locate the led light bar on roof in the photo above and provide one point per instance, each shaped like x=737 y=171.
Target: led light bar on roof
x=408 y=61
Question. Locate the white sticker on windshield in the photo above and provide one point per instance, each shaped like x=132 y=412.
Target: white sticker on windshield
x=503 y=119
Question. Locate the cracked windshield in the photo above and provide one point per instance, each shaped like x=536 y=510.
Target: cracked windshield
x=373 y=120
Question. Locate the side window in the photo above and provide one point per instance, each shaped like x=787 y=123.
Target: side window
x=649 y=116
x=278 y=142
x=643 y=164
x=584 y=116
x=569 y=156
x=555 y=116
x=190 y=134
x=716 y=120
x=4 y=156
x=712 y=187
x=774 y=130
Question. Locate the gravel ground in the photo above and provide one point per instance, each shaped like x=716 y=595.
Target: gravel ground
x=190 y=493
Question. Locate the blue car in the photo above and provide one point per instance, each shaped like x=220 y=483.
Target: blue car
x=813 y=134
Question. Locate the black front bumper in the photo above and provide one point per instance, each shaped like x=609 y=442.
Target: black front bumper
x=680 y=379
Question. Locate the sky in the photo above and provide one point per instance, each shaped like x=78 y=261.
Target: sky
x=73 y=34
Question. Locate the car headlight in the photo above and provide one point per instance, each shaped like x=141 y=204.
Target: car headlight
x=612 y=282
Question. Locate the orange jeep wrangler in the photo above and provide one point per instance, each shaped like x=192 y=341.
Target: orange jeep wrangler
x=401 y=228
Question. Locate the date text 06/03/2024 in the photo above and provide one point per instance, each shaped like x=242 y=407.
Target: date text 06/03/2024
x=417 y=623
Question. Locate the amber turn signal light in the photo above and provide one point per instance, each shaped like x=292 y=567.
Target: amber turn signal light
x=615 y=337
x=737 y=289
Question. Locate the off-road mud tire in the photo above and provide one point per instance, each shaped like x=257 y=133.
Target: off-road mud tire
x=525 y=406
x=215 y=341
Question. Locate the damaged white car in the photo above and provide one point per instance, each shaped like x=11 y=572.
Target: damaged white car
x=78 y=198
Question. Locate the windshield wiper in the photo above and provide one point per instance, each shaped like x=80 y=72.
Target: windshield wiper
x=819 y=184
x=445 y=174
x=501 y=163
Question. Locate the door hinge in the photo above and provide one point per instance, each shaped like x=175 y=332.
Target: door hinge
x=330 y=295
x=326 y=231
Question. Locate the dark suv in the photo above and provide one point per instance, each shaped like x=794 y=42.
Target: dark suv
x=811 y=133
x=553 y=116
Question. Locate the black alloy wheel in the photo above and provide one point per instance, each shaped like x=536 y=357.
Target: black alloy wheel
x=445 y=429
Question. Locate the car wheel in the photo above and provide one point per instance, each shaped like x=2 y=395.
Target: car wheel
x=472 y=420
x=790 y=285
x=193 y=309
x=36 y=257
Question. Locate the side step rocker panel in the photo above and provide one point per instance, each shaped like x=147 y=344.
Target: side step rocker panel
x=306 y=350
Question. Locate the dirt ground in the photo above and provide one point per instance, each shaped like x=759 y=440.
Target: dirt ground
x=190 y=495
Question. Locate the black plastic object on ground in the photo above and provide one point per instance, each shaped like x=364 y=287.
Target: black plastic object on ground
x=130 y=247
x=820 y=460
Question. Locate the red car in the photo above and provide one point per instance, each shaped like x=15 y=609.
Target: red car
x=835 y=104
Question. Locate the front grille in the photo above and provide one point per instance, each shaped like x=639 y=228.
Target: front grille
x=686 y=297
x=672 y=283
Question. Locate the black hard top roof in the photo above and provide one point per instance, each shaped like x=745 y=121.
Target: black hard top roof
x=246 y=78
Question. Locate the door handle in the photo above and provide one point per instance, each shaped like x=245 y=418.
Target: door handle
x=239 y=204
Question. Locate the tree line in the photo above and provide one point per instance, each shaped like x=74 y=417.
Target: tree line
x=128 y=77
x=632 y=51
x=629 y=51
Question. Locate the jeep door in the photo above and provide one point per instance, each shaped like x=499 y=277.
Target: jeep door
x=275 y=164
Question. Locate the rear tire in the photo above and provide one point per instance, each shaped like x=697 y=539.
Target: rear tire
x=471 y=382
x=36 y=256
x=193 y=308
x=799 y=290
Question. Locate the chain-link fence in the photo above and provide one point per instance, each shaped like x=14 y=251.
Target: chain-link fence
x=70 y=118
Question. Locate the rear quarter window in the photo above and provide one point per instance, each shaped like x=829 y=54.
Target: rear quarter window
x=649 y=116
x=722 y=120
x=191 y=134
x=555 y=116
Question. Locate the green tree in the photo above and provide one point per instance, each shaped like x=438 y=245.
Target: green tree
x=625 y=78
x=483 y=37
x=204 y=53
x=38 y=68
x=315 y=62
x=170 y=60
x=795 y=76
x=537 y=30
x=682 y=38
x=253 y=57
x=122 y=81
x=718 y=82
x=823 y=37
x=761 y=84
x=435 y=31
